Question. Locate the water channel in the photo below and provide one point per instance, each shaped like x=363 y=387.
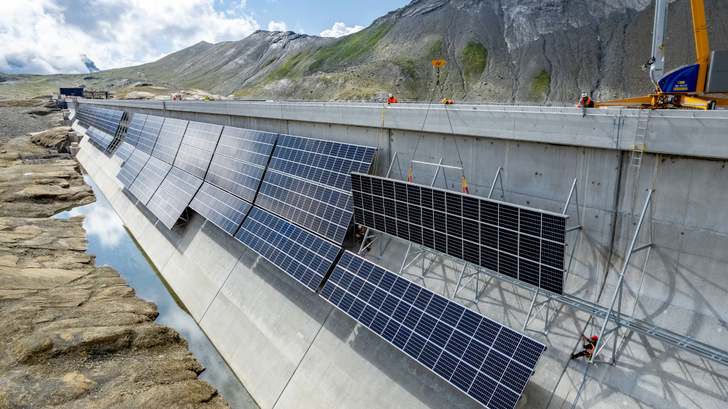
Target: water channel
x=113 y=246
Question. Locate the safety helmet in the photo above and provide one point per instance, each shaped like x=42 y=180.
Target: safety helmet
x=444 y=101
x=595 y=338
x=584 y=94
x=390 y=95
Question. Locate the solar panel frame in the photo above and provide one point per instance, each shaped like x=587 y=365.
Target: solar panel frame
x=299 y=253
x=488 y=361
x=221 y=208
x=513 y=240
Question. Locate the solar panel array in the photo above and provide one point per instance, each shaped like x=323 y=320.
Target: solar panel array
x=221 y=171
x=523 y=243
x=486 y=360
x=102 y=124
x=308 y=183
x=299 y=253
x=132 y=137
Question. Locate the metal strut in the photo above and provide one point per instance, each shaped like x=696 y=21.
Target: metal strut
x=616 y=314
x=540 y=305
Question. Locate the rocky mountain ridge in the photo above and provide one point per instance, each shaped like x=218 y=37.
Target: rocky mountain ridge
x=502 y=51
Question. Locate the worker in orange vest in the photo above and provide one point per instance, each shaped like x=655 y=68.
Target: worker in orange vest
x=589 y=345
x=447 y=101
x=392 y=99
x=585 y=101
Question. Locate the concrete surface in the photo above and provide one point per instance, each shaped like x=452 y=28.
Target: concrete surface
x=291 y=349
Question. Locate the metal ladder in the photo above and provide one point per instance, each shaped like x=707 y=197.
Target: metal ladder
x=638 y=149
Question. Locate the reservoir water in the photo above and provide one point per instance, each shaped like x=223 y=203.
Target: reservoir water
x=113 y=246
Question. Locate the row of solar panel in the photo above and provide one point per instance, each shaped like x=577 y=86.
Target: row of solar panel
x=522 y=243
x=299 y=253
x=105 y=120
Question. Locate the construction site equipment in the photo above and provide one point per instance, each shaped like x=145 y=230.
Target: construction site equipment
x=685 y=87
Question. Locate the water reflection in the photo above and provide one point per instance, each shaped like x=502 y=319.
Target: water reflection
x=114 y=247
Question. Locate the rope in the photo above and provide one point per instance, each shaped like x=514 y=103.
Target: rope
x=462 y=165
x=583 y=382
x=422 y=129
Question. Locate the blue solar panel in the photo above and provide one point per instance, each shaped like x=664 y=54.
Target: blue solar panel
x=326 y=162
x=101 y=138
x=202 y=135
x=124 y=151
x=131 y=168
x=198 y=145
x=221 y=208
x=149 y=134
x=235 y=176
x=135 y=129
x=173 y=196
x=323 y=210
x=149 y=179
x=523 y=243
x=300 y=254
x=308 y=182
x=486 y=360
x=246 y=145
x=169 y=139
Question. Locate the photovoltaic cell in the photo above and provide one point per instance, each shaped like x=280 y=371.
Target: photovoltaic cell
x=299 y=253
x=202 y=135
x=198 y=145
x=101 y=138
x=169 y=139
x=173 y=196
x=134 y=131
x=486 y=360
x=523 y=243
x=308 y=182
x=125 y=150
x=149 y=179
x=131 y=168
x=149 y=134
x=221 y=208
x=246 y=145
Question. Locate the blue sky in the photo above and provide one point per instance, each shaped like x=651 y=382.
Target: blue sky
x=51 y=36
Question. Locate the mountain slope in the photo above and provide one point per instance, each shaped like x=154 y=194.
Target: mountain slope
x=512 y=51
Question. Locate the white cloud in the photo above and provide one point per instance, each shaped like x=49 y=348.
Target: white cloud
x=340 y=30
x=49 y=36
x=277 y=26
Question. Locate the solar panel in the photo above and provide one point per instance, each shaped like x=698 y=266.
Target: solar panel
x=239 y=161
x=300 y=254
x=149 y=134
x=101 y=138
x=169 y=139
x=198 y=145
x=149 y=179
x=135 y=129
x=125 y=150
x=323 y=210
x=221 y=208
x=131 y=168
x=321 y=161
x=308 y=182
x=173 y=196
x=523 y=243
x=488 y=361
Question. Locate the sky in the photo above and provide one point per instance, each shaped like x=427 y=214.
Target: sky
x=51 y=36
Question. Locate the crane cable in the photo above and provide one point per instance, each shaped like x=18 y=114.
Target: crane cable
x=462 y=165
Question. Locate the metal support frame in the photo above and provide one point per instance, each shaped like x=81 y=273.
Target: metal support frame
x=497 y=179
x=616 y=314
x=540 y=305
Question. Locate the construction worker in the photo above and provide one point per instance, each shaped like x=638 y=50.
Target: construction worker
x=447 y=101
x=207 y=98
x=585 y=101
x=392 y=99
x=589 y=345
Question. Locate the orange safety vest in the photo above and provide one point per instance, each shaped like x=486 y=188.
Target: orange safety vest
x=590 y=350
x=392 y=100
x=585 y=103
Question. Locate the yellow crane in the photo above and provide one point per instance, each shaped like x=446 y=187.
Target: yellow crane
x=690 y=86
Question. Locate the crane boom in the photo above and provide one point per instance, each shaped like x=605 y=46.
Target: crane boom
x=701 y=42
x=657 y=62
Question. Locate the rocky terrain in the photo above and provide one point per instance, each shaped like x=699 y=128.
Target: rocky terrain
x=502 y=51
x=74 y=335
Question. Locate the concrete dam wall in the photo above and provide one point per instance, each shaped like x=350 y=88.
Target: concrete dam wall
x=290 y=348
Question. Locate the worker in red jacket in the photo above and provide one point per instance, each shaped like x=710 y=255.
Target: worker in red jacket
x=392 y=99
